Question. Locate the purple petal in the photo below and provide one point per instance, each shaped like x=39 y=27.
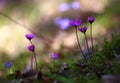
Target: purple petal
x=71 y=22
x=29 y=36
x=64 y=24
x=83 y=29
x=31 y=48
x=54 y=56
x=75 y=22
x=63 y=7
x=7 y=64
x=57 y=20
x=91 y=19
x=75 y=5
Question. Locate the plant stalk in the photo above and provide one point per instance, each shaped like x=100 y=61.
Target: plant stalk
x=91 y=38
x=86 y=42
x=32 y=62
x=34 y=55
x=92 y=62
x=79 y=44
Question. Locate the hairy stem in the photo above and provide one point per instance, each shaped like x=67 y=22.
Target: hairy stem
x=32 y=62
x=86 y=42
x=91 y=37
x=80 y=45
x=92 y=62
x=34 y=55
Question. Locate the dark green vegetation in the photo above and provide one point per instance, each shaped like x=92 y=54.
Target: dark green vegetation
x=103 y=62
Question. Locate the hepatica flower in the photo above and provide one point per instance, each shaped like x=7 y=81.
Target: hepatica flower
x=75 y=22
x=31 y=48
x=75 y=5
x=54 y=55
x=83 y=29
x=29 y=36
x=7 y=65
x=91 y=19
x=64 y=7
x=63 y=23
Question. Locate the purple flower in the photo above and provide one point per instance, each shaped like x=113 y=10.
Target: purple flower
x=54 y=55
x=83 y=29
x=75 y=5
x=7 y=65
x=63 y=7
x=31 y=48
x=2 y=3
x=91 y=19
x=57 y=20
x=29 y=36
x=75 y=22
x=63 y=23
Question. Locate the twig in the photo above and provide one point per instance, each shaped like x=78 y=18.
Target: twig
x=47 y=41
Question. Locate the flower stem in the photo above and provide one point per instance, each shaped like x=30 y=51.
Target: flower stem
x=86 y=42
x=80 y=45
x=91 y=37
x=34 y=55
x=92 y=62
x=54 y=64
x=31 y=42
x=32 y=62
x=8 y=71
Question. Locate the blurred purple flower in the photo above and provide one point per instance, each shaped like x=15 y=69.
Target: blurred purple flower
x=75 y=5
x=75 y=22
x=57 y=20
x=2 y=3
x=7 y=65
x=54 y=55
x=91 y=19
x=64 y=7
x=31 y=48
x=83 y=29
x=29 y=36
x=62 y=23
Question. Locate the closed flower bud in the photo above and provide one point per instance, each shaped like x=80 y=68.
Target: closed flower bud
x=31 y=48
x=83 y=29
x=29 y=36
x=91 y=19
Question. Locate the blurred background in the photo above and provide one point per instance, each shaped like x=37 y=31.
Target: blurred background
x=49 y=21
